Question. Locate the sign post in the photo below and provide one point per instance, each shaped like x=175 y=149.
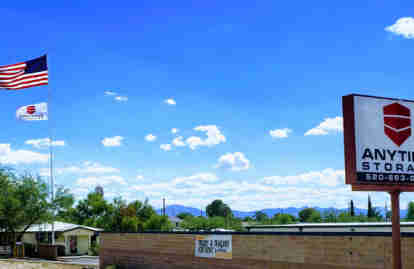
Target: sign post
x=379 y=151
x=396 y=239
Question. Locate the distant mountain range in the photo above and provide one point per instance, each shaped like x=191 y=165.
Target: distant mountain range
x=174 y=210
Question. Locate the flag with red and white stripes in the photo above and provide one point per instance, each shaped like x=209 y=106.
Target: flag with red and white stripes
x=24 y=75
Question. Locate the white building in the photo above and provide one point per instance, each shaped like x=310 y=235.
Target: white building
x=175 y=221
x=77 y=239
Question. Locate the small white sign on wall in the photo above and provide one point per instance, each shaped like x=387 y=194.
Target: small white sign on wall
x=213 y=246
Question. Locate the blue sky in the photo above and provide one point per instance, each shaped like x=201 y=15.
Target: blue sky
x=225 y=74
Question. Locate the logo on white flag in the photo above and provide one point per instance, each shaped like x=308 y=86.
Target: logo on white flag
x=32 y=112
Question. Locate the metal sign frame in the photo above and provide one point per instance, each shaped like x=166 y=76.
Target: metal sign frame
x=350 y=150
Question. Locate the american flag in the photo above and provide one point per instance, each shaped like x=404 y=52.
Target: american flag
x=24 y=75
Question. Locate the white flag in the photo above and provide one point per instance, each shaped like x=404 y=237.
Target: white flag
x=32 y=112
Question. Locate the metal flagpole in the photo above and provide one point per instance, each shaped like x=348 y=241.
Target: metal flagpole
x=52 y=186
x=52 y=191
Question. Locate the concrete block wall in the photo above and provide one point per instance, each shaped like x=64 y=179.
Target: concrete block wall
x=255 y=250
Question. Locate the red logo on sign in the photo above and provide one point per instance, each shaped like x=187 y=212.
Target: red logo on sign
x=31 y=109
x=397 y=123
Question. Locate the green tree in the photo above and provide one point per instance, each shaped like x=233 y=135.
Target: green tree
x=309 y=215
x=218 y=209
x=24 y=201
x=373 y=214
x=129 y=217
x=248 y=219
x=410 y=211
x=206 y=224
x=352 y=213
x=370 y=213
x=329 y=216
x=361 y=218
x=388 y=215
x=94 y=211
x=184 y=215
x=216 y=222
x=115 y=213
x=260 y=216
x=64 y=201
x=145 y=210
x=315 y=217
x=283 y=219
x=346 y=217
x=158 y=223
x=377 y=216
x=194 y=223
x=236 y=224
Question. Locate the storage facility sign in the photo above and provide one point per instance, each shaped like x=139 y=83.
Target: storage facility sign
x=379 y=145
x=213 y=246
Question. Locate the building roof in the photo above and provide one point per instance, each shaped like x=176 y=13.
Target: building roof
x=332 y=225
x=59 y=227
x=174 y=219
x=221 y=230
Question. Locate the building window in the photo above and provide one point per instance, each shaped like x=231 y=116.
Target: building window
x=44 y=237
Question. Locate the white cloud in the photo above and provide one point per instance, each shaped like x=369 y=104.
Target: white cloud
x=118 y=98
x=112 y=141
x=85 y=168
x=280 y=133
x=194 y=142
x=9 y=156
x=317 y=188
x=327 y=177
x=69 y=170
x=139 y=177
x=58 y=143
x=214 y=137
x=103 y=180
x=197 y=178
x=165 y=147
x=404 y=27
x=44 y=172
x=170 y=102
x=110 y=93
x=150 y=137
x=96 y=168
x=121 y=98
x=329 y=125
x=174 y=130
x=44 y=143
x=234 y=161
x=178 y=142
x=80 y=192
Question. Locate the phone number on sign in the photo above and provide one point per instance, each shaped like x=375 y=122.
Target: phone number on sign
x=389 y=177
